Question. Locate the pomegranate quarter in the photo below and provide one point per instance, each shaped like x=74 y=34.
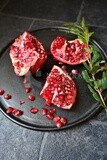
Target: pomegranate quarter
x=27 y=54
x=70 y=52
x=59 y=89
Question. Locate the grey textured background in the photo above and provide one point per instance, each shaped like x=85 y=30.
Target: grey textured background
x=87 y=141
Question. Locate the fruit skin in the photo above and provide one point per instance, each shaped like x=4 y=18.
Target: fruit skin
x=27 y=54
x=59 y=89
x=70 y=52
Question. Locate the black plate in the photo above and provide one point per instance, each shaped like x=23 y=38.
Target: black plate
x=84 y=107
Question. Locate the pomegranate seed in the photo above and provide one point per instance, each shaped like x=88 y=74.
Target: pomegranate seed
x=7 y=96
x=25 y=80
x=31 y=97
x=52 y=111
x=60 y=62
x=74 y=71
x=63 y=120
x=59 y=124
x=17 y=112
x=1 y=91
x=21 y=102
x=64 y=67
x=47 y=103
x=28 y=90
x=49 y=116
x=34 y=110
x=44 y=111
x=9 y=110
x=56 y=118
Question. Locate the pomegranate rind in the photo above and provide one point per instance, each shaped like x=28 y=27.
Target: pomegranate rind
x=27 y=54
x=76 y=56
x=63 y=98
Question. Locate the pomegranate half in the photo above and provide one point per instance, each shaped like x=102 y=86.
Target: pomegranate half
x=70 y=52
x=27 y=54
x=59 y=89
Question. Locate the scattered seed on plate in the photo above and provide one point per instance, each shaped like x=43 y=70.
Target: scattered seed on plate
x=34 y=110
x=49 y=116
x=21 y=102
x=28 y=90
x=43 y=111
x=74 y=71
x=25 y=80
x=7 y=96
x=1 y=91
x=52 y=111
x=31 y=97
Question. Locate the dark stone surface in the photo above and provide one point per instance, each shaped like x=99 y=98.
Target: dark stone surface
x=46 y=9
x=11 y=27
x=3 y=3
x=95 y=11
x=87 y=141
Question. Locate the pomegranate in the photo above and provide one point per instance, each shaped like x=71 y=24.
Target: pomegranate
x=28 y=90
x=56 y=118
x=27 y=54
x=21 y=102
x=44 y=111
x=59 y=124
x=63 y=120
x=49 y=116
x=59 y=89
x=52 y=111
x=7 y=96
x=31 y=97
x=34 y=110
x=14 y=111
x=1 y=91
x=74 y=71
x=70 y=52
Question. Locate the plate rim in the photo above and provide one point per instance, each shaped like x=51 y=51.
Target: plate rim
x=35 y=127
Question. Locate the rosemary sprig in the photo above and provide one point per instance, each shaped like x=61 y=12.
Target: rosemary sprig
x=95 y=73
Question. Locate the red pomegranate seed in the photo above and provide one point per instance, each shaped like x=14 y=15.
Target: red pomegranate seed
x=21 y=102
x=49 y=116
x=47 y=104
x=56 y=118
x=52 y=111
x=1 y=91
x=63 y=120
x=9 y=110
x=28 y=90
x=44 y=111
x=60 y=62
x=74 y=71
x=25 y=80
x=34 y=110
x=31 y=97
x=7 y=96
x=64 y=67
x=17 y=112
x=59 y=124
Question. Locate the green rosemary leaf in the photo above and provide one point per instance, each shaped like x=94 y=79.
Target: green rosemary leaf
x=102 y=83
x=96 y=57
x=86 y=66
x=94 y=93
x=86 y=77
x=95 y=74
x=95 y=68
